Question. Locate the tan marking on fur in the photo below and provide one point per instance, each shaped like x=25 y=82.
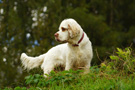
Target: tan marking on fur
x=64 y=29
x=74 y=31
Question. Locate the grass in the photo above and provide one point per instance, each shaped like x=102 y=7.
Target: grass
x=116 y=73
x=96 y=80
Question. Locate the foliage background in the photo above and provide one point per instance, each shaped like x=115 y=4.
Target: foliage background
x=29 y=26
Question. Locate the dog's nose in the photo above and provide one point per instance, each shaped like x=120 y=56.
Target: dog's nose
x=56 y=34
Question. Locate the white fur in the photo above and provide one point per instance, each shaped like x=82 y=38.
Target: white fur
x=67 y=55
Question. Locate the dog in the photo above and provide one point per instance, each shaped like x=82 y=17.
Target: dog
x=75 y=52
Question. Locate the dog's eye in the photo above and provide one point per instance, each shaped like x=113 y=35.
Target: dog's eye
x=63 y=29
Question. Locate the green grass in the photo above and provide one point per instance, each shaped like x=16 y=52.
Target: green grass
x=116 y=73
x=72 y=80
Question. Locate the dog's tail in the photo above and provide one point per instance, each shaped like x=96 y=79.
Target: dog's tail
x=31 y=62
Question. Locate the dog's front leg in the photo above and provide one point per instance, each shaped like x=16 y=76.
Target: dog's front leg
x=68 y=65
x=87 y=68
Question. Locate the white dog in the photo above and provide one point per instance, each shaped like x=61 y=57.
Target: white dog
x=74 y=54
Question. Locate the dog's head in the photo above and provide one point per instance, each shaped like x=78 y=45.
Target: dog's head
x=68 y=30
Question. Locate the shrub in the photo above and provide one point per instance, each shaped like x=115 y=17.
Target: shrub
x=123 y=60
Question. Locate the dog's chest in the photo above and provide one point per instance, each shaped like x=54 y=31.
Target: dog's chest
x=78 y=59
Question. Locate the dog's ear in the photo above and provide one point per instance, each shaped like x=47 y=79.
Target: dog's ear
x=73 y=31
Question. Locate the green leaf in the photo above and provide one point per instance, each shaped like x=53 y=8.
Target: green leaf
x=28 y=77
x=119 y=50
x=37 y=75
x=114 y=57
x=35 y=81
x=18 y=88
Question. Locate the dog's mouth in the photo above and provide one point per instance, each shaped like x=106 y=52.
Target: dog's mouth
x=60 y=40
x=57 y=40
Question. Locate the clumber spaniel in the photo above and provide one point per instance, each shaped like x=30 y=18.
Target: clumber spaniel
x=74 y=54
